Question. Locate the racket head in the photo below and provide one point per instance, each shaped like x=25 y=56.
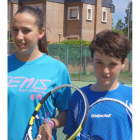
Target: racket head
x=108 y=119
x=36 y=119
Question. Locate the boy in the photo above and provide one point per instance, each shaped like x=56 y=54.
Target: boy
x=108 y=57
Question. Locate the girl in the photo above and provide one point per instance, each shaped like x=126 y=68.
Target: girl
x=32 y=74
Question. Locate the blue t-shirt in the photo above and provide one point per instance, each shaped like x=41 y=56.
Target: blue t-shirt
x=90 y=130
x=28 y=83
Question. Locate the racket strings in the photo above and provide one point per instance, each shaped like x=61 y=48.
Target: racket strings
x=74 y=120
x=87 y=137
x=38 y=126
x=107 y=120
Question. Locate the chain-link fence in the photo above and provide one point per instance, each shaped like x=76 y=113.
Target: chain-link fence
x=79 y=64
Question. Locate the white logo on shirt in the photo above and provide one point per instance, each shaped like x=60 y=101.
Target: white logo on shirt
x=101 y=115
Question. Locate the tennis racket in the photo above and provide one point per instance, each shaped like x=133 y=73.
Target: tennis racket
x=37 y=120
x=108 y=119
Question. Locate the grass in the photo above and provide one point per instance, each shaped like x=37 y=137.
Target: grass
x=124 y=77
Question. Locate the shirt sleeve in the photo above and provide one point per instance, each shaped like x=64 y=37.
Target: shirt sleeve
x=63 y=95
x=75 y=114
x=69 y=128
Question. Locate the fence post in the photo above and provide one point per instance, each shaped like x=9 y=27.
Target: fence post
x=9 y=28
x=66 y=55
x=85 y=58
x=130 y=58
x=81 y=42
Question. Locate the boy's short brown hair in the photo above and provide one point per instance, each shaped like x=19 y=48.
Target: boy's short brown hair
x=110 y=43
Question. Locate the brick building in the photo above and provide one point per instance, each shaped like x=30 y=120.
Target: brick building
x=71 y=18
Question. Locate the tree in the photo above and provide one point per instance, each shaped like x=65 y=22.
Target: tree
x=120 y=25
x=125 y=28
x=128 y=22
x=112 y=25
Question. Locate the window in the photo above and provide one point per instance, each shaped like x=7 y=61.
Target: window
x=73 y=13
x=104 y=14
x=89 y=12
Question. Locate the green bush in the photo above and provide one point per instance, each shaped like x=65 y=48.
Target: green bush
x=74 y=42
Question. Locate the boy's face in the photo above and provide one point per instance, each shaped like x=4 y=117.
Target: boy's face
x=106 y=68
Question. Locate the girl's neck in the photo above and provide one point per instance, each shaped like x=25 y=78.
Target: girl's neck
x=28 y=57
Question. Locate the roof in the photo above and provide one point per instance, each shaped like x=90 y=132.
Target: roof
x=105 y=3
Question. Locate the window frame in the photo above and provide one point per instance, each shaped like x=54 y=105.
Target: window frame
x=89 y=7
x=72 y=8
x=104 y=10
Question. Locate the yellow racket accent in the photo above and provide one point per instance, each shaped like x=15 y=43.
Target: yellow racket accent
x=38 y=107
x=32 y=120
x=76 y=133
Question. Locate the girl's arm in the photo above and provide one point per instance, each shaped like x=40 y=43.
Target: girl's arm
x=60 y=119
x=46 y=129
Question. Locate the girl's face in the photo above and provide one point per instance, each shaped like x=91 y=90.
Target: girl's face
x=25 y=33
x=106 y=69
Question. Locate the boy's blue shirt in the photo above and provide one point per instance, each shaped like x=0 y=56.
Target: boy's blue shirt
x=122 y=93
